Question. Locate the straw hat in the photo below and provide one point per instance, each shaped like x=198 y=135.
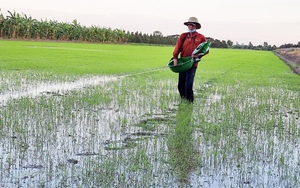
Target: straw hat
x=193 y=20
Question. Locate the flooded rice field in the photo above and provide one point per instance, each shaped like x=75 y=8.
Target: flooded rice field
x=131 y=131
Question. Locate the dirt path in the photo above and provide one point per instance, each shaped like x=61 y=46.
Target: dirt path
x=290 y=56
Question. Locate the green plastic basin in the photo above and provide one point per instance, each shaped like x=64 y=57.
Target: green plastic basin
x=183 y=64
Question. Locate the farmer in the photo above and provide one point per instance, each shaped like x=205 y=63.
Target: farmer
x=185 y=46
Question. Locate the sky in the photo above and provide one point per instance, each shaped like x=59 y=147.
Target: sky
x=276 y=22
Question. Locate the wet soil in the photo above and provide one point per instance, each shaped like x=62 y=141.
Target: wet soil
x=290 y=56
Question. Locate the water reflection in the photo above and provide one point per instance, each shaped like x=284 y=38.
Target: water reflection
x=182 y=152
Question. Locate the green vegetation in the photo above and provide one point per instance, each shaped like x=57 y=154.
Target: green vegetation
x=21 y=26
x=126 y=128
x=248 y=68
x=81 y=58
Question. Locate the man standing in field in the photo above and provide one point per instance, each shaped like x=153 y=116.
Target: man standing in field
x=186 y=44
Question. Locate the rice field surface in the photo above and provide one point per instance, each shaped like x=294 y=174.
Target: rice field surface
x=107 y=115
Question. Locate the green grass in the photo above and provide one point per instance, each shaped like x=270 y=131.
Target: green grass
x=80 y=58
x=248 y=67
x=222 y=65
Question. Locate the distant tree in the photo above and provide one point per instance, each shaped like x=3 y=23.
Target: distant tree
x=2 y=23
x=265 y=45
x=289 y=45
x=216 y=44
x=250 y=45
x=229 y=43
x=259 y=47
x=157 y=33
x=237 y=45
x=224 y=44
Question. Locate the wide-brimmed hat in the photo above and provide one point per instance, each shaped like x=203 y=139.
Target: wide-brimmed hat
x=193 y=20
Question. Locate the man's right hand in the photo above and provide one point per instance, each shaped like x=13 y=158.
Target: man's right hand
x=175 y=62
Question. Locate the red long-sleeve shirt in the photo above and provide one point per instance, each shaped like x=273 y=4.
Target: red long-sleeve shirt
x=187 y=43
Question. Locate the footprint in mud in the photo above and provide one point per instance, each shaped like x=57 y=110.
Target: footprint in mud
x=73 y=161
x=149 y=129
x=151 y=123
x=130 y=141
x=87 y=154
x=34 y=166
x=119 y=144
x=53 y=93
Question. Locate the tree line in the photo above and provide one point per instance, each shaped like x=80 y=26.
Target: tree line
x=21 y=26
x=265 y=46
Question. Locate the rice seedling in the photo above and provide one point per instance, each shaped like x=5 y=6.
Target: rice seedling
x=106 y=126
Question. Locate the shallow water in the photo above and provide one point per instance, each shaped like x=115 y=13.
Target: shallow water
x=112 y=132
x=54 y=88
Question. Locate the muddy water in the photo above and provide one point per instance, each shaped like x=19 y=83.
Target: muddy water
x=112 y=132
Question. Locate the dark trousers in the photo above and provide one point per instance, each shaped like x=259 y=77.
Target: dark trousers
x=185 y=84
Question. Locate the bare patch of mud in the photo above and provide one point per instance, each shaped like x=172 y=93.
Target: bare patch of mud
x=290 y=56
